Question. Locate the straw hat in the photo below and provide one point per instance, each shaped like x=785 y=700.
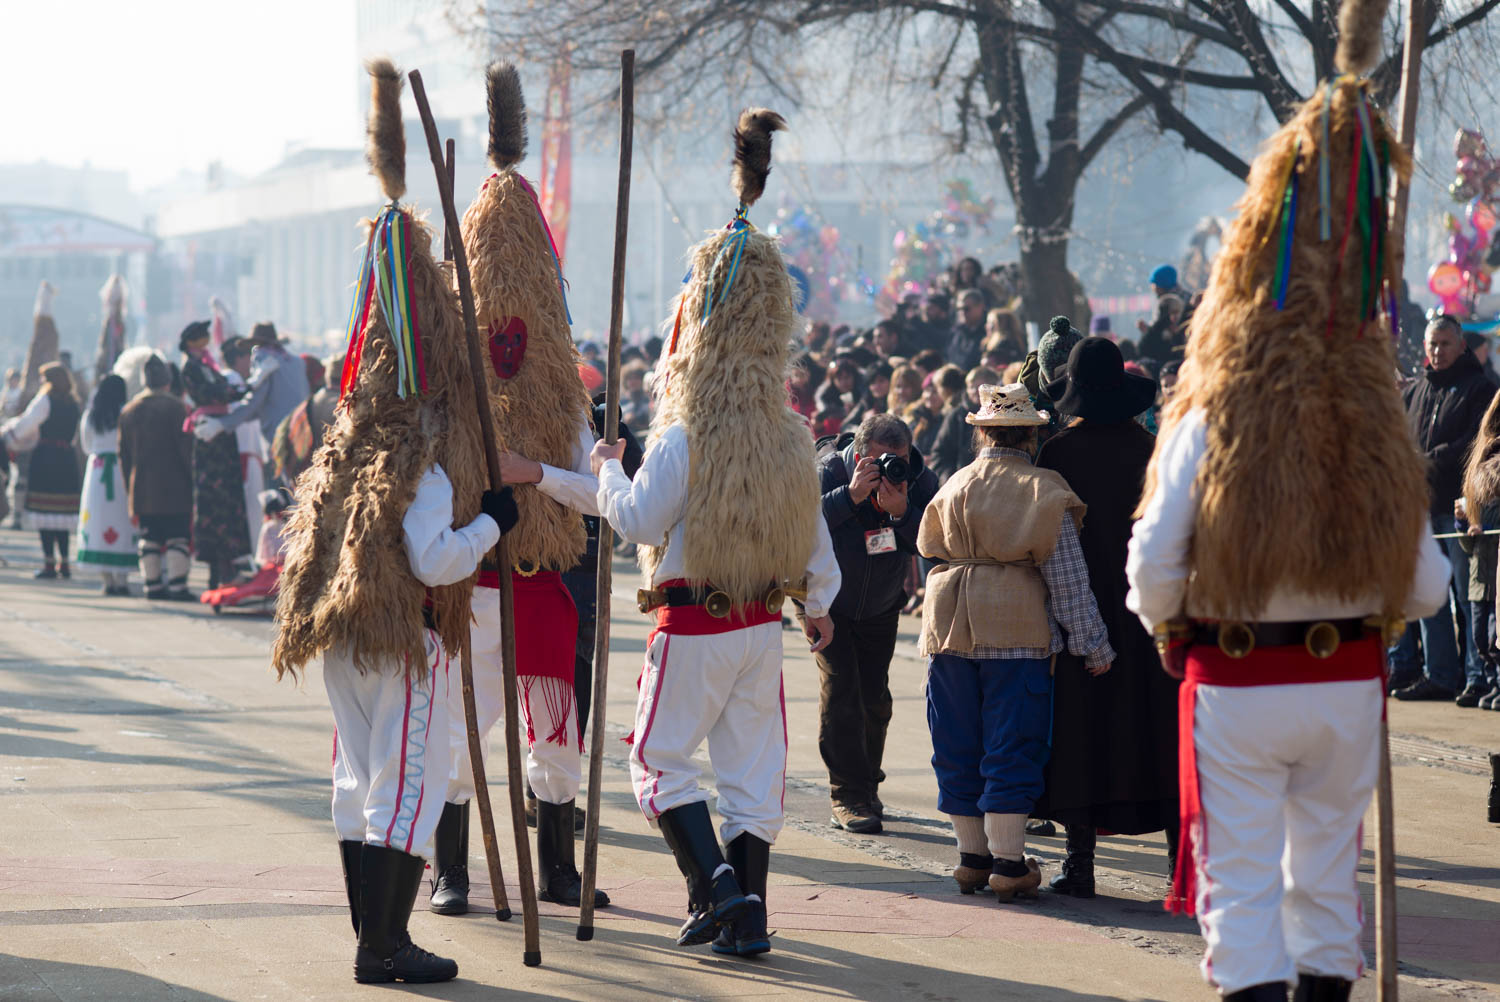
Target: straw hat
x=1006 y=405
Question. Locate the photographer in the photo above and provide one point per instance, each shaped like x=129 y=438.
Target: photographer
x=875 y=489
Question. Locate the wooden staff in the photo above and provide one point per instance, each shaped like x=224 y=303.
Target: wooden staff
x=606 y=534
x=532 y=955
x=471 y=714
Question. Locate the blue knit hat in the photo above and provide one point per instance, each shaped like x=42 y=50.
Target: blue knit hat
x=1165 y=276
x=1052 y=351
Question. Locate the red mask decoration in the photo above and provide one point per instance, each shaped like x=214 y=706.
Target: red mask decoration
x=507 y=346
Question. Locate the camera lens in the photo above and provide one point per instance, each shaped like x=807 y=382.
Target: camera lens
x=894 y=468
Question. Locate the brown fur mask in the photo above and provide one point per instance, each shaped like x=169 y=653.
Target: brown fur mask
x=753 y=474
x=515 y=278
x=347 y=580
x=44 y=341
x=1311 y=481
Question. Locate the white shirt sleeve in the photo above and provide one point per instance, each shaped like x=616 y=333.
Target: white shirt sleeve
x=1157 y=562
x=23 y=430
x=577 y=488
x=1429 y=587
x=440 y=554
x=644 y=510
x=823 y=574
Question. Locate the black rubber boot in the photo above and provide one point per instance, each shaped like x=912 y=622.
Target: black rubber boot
x=746 y=936
x=1321 y=988
x=1270 y=991
x=1077 y=876
x=389 y=882
x=450 y=864
x=714 y=895
x=350 y=851
x=558 y=880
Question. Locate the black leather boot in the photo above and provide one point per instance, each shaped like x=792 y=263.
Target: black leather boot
x=558 y=880
x=1270 y=991
x=714 y=896
x=349 y=853
x=746 y=936
x=1077 y=876
x=389 y=882
x=1321 y=988
x=450 y=864
x=1494 y=814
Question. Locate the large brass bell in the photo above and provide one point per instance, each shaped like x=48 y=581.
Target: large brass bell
x=1322 y=640
x=774 y=600
x=718 y=605
x=1236 y=639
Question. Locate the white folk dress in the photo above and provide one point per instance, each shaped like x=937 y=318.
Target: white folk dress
x=106 y=539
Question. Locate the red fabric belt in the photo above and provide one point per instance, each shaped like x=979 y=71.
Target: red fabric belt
x=1354 y=661
x=694 y=620
x=546 y=623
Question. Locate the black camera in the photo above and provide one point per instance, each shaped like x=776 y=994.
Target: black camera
x=894 y=469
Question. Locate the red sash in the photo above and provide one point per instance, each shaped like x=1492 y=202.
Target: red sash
x=694 y=620
x=546 y=623
x=1355 y=660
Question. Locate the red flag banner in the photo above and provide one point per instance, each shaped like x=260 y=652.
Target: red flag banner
x=556 y=183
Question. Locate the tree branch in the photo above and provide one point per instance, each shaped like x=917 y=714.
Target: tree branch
x=1107 y=130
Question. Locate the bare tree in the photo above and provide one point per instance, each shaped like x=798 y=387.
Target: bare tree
x=1047 y=84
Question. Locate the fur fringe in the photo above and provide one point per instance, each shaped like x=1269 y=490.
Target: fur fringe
x=1482 y=469
x=44 y=341
x=385 y=137
x=1311 y=482
x=347 y=582
x=1360 y=22
x=538 y=411
x=752 y=152
x=753 y=475
x=507 y=115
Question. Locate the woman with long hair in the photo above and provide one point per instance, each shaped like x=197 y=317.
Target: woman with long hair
x=53 y=480
x=906 y=389
x=1480 y=509
x=1004 y=336
x=106 y=539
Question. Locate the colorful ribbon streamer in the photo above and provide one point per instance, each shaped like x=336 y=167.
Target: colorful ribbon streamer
x=385 y=280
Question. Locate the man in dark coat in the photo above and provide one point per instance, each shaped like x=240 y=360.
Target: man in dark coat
x=156 y=460
x=873 y=521
x=967 y=341
x=1114 y=736
x=1444 y=408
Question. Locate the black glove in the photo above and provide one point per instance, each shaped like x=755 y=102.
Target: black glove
x=501 y=506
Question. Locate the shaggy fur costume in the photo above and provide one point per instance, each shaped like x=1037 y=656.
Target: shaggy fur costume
x=112 y=331
x=1482 y=471
x=510 y=262
x=753 y=477
x=347 y=579
x=44 y=341
x=1311 y=481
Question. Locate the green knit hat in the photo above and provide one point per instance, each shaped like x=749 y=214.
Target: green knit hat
x=1052 y=352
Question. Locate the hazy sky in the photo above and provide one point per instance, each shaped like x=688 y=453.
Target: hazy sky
x=159 y=86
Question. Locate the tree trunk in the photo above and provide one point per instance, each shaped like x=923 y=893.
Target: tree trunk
x=1051 y=290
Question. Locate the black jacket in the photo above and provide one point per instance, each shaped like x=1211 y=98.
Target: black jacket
x=1444 y=410
x=873 y=585
x=953 y=448
x=965 y=346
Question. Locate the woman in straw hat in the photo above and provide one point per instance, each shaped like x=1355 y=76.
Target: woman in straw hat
x=1010 y=580
x=1114 y=747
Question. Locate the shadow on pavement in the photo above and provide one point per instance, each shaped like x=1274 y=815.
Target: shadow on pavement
x=24 y=978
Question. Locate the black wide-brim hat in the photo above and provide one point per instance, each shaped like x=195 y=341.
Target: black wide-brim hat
x=192 y=332
x=1096 y=386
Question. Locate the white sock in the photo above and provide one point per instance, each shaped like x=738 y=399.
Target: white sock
x=1007 y=835
x=721 y=869
x=970 y=834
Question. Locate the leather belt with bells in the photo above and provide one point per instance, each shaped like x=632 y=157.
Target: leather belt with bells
x=1320 y=638
x=716 y=603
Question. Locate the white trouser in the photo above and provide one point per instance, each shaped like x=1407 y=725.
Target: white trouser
x=391 y=730
x=553 y=760
x=1285 y=773
x=254 y=482
x=725 y=687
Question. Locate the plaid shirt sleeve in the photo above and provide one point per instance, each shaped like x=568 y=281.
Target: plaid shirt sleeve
x=1070 y=600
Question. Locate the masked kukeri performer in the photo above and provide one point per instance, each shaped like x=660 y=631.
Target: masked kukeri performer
x=391 y=522
x=537 y=396
x=727 y=511
x=1283 y=534
x=112 y=333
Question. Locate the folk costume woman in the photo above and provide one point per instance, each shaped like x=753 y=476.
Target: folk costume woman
x=219 y=531
x=542 y=410
x=1271 y=565
x=1010 y=580
x=727 y=512
x=1114 y=736
x=106 y=537
x=49 y=425
x=391 y=520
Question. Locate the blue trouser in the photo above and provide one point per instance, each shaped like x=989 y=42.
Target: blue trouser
x=1440 y=653
x=1482 y=637
x=991 y=722
x=1468 y=661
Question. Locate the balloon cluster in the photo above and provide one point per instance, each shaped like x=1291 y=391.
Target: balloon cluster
x=922 y=252
x=1473 y=249
x=816 y=256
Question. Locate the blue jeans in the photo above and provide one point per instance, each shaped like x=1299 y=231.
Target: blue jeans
x=1439 y=657
x=1469 y=650
x=991 y=723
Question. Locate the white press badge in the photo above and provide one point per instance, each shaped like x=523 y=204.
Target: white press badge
x=880 y=541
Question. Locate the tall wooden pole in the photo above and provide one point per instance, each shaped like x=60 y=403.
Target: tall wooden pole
x=471 y=713
x=532 y=955
x=1406 y=132
x=606 y=534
